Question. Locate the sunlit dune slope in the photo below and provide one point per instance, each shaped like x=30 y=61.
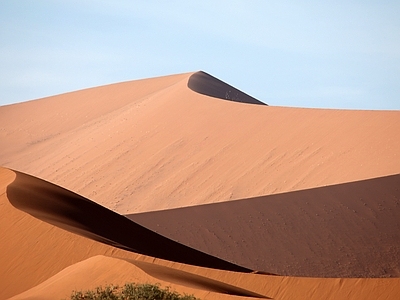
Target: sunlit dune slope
x=156 y=144
x=344 y=230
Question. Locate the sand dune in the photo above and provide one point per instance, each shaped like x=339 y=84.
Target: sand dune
x=101 y=271
x=76 y=214
x=156 y=144
x=33 y=251
x=300 y=192
x=66 y=260
x=40 y=250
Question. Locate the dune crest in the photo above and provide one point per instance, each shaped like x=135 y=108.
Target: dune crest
x=39 y=251
x=203 y=83
x=79 y=215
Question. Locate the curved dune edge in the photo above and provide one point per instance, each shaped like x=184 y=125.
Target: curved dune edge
x=72 y=212
x=101 y=270
x=193 y=280
x=33 y=251
x=205 y=84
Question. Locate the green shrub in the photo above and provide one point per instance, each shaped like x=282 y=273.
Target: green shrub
x=131 y=291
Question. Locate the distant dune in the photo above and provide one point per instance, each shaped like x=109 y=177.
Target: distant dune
x=211 y=191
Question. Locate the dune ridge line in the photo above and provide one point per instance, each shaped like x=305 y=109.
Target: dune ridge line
x=206 y=84
x=65 y=209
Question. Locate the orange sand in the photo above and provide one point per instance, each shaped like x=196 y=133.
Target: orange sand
x=317 y=192
x=48 y=262
x=155 y=144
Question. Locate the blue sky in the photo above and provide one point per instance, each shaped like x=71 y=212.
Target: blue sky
x=328 y=54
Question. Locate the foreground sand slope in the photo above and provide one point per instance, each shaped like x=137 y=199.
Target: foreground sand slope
x=156 y=144
x=103 y=270
x=51 y=262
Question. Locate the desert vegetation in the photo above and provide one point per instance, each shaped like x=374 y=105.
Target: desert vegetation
x=130 y=291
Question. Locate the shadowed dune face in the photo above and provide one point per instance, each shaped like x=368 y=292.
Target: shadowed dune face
x=205 y=84
x=79 y=215
x=345 y=230
x=194 y=280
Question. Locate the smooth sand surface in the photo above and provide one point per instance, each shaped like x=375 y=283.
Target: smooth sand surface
x=316 y=193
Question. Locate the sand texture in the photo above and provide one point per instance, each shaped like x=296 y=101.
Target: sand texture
x=186 y=181
x=156 y=144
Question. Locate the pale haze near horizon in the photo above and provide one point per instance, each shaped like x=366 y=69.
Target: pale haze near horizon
x=342 y=54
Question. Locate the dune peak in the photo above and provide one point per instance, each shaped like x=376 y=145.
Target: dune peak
x=206 y=84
